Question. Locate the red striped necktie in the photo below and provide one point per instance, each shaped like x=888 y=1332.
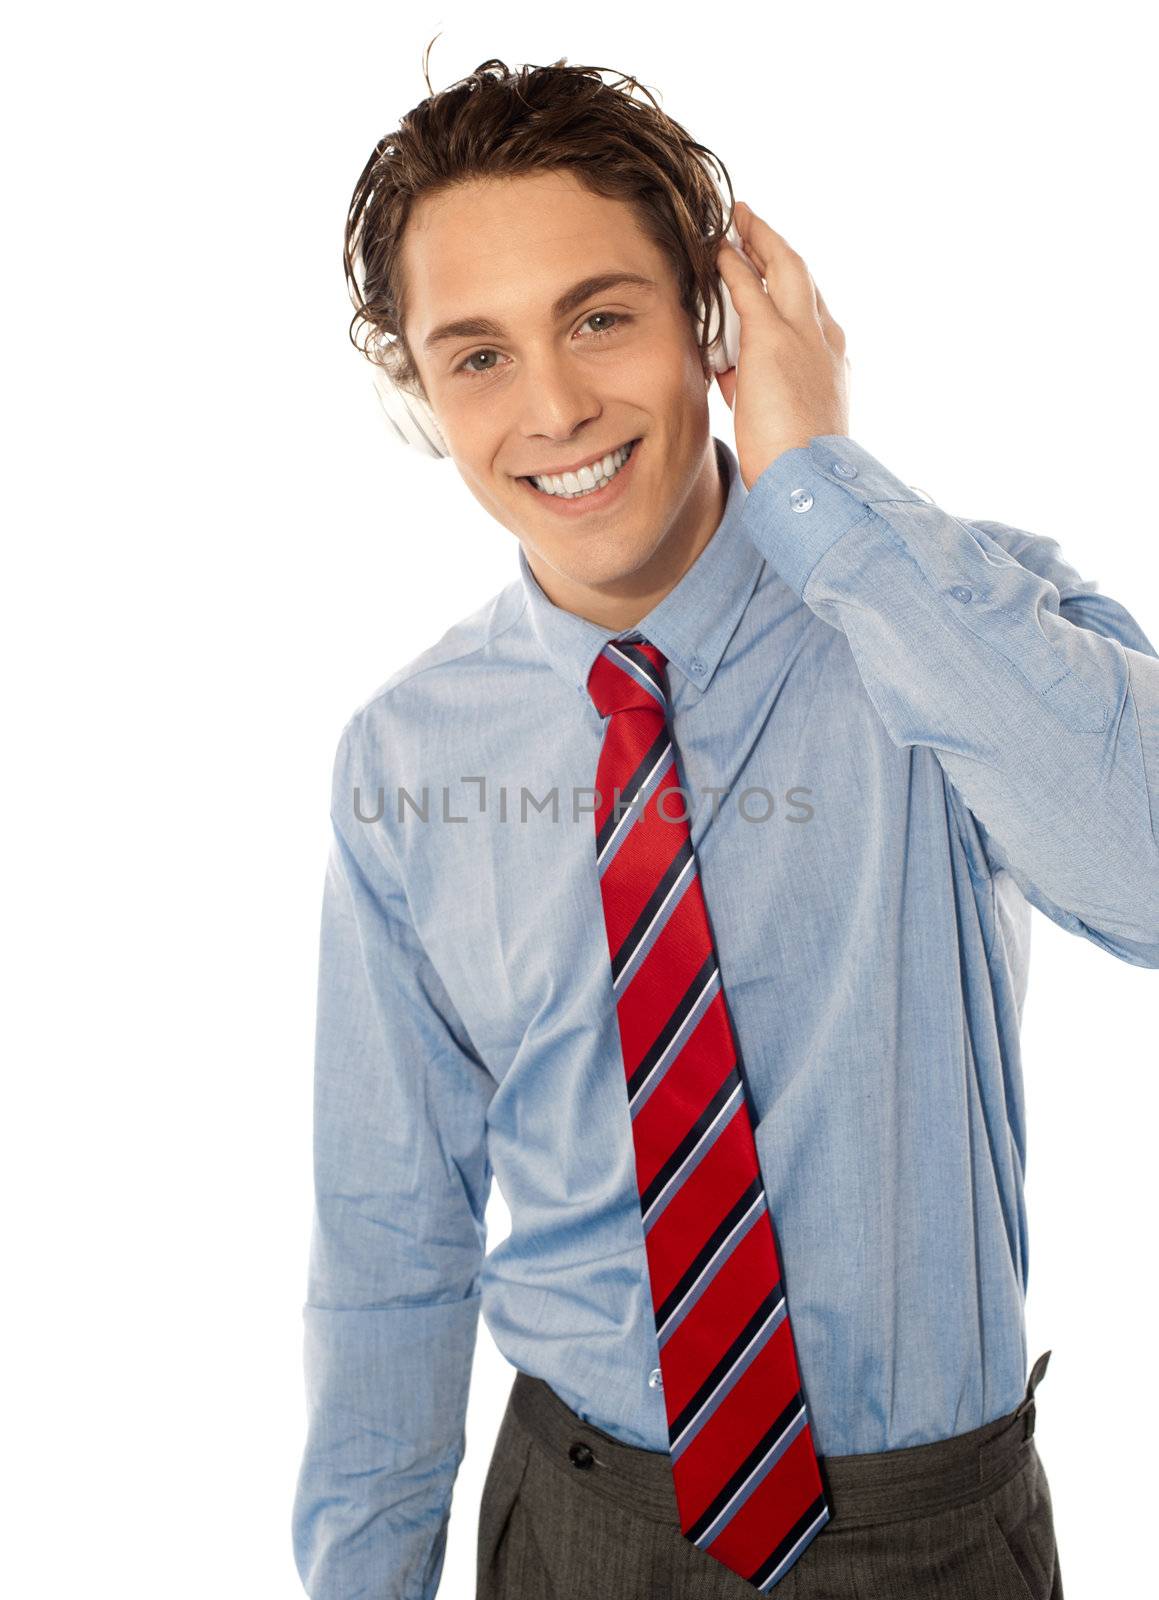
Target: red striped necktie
x=748 y=1485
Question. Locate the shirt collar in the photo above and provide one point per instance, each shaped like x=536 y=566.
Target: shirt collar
x=691 y=624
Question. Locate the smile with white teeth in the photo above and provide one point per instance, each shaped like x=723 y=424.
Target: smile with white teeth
x=574 y=484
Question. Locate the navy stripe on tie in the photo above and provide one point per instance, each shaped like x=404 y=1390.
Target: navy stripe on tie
x=655 y=929
x=691 y=1139
x=632 y=659
x=754 y=1468
x=662 y=1040
x=811 y=1520
x=719 y=1124
x=724 y=1367
x=659 y=1069
x=705 y=1258
x=629 y=791
x=652 y=905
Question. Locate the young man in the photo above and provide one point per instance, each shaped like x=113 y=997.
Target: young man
x=744 y=1058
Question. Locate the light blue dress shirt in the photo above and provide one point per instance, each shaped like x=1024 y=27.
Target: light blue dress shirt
x=896 y=731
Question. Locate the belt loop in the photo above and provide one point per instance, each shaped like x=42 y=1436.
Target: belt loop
x=1026 y=1406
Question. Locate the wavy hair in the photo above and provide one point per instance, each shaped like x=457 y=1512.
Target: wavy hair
x=499 y=123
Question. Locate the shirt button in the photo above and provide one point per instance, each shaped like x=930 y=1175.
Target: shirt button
x=800 y=499
x=960 y=592
x=581 y=1455
x=844 y=470
x=697 y=664
x=655 y=1379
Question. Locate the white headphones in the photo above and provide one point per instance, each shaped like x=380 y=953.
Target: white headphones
x=413 y=422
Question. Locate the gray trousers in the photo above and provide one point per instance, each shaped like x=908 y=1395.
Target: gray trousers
x=570 y=1513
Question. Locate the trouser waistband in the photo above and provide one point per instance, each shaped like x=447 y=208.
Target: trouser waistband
x=867 y=1488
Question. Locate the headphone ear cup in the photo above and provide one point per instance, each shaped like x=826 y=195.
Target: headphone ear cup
x=409 y=415
x=724 y=346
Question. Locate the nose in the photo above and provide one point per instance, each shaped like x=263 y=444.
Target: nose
x=555 y=398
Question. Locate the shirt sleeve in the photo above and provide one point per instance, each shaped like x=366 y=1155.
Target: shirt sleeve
x=1038 y=695
x=401 y=1179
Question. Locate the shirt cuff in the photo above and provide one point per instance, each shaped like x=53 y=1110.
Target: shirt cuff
x=810 y=496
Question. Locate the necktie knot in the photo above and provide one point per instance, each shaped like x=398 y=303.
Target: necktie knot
x=628 y=675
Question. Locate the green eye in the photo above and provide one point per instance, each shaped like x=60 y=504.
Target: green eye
x=620 y=318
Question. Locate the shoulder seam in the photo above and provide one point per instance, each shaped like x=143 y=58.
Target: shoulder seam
x=397 y=679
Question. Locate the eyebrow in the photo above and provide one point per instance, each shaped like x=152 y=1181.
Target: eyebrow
x=570 y=300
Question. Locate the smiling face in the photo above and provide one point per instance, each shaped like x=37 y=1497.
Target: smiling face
x=535 y=379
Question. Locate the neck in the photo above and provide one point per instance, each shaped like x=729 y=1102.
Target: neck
x=621 y=604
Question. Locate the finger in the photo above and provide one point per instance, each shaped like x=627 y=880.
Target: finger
x=828 y=321
x=743 y=282
x=726 y=246
x=782 y=268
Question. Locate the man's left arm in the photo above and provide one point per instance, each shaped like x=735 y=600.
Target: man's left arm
x=1038 y=695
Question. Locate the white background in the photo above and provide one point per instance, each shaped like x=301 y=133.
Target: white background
x=216 y=552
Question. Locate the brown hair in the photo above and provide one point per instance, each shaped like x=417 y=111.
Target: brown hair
x=498 y=123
